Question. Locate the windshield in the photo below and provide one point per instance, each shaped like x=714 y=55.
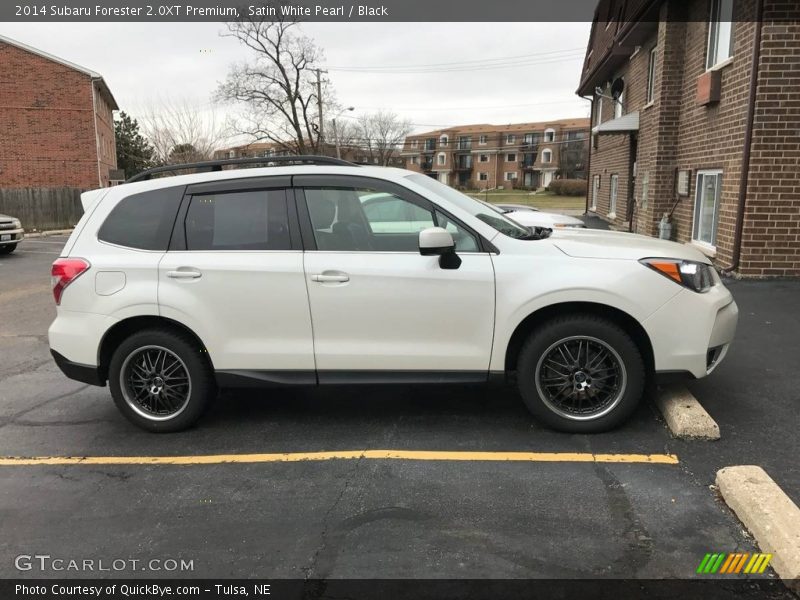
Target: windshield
x=490 y=215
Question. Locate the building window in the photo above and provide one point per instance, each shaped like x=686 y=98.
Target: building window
x=483 y=176
x=619 y=105
x=483 y=158
x=510 y=175
x=414 y=144
x=598 y=118
x=651 y=76
x=720 y=33
x=482 y=140
x=547 y=156
x=511 y=157
x=612 y=203
x=413 y=160
x=441 y=158
x=511 y=138
x=595 y=192
x=443 y=141
x=549 y=135
x=645 y=189
x=706 y=206
x=464 y=142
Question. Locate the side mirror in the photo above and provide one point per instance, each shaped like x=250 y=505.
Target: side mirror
x=436 y=241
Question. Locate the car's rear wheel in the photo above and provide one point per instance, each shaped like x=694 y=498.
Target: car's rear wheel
x=161 y=381
x=581 y=374
x=8 y=248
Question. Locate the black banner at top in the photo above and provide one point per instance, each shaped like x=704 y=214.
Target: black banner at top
x=344 y=10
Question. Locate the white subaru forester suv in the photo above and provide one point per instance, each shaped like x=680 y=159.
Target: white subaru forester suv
x=320 y=272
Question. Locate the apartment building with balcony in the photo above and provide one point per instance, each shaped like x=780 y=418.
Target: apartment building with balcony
x=695 y=115
x=485 y=156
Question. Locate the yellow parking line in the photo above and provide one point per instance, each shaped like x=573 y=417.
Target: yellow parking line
x=431 y=455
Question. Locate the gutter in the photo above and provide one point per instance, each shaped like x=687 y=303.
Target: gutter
x=589 y=178
x=96 y=138
x=748 y=141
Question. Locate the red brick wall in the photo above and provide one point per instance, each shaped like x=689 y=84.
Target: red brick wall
x=771 y=233
x=47 y=132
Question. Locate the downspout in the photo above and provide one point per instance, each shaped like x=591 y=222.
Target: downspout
x=96 y=135
x=748 y=141
x=589 y=178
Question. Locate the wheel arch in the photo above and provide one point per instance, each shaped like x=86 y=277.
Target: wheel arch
x=126 y=327
x=621 y=318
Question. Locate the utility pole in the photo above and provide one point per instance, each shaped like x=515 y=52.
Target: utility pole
x=319 y=73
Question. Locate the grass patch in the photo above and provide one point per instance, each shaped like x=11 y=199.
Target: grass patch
x=542 y=200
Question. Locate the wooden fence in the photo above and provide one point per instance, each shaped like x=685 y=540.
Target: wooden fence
x=42 y=209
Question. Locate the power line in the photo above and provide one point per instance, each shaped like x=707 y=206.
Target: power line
x=499 y=66
x=460 y=62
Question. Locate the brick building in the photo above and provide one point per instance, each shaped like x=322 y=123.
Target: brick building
x=695 y=114
x=527 y=155
x=56 y=122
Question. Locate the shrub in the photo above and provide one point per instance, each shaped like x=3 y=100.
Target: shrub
x=568 y=187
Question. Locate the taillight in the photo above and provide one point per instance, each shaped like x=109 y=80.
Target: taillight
x=64 y=272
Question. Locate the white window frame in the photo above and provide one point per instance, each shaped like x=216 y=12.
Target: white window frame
x=441 y=159
x=514 y=154
x=511 y=138
x=612 y=195
x=510 y=176
x=697 y=215
x=619 y=106
x=595 y=192
x=549 y=135
x=482 y=156
x=549 y=154
x=720 y=33
x=482 y=139
x=414 y=144
x=444 y=140
x=414 y=160
x=483 y=176
x=599 y=116
x=651 y=75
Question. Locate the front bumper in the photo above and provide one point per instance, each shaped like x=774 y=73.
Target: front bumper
x=11 y=236
x=692 y=332
x=83 y=373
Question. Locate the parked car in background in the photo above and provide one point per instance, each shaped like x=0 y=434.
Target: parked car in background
x=171 y=288
x=11 y=234
x=530 y=216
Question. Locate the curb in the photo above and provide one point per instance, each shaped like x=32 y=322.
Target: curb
x=685 y=416
x=47 y=233
x=768 y=513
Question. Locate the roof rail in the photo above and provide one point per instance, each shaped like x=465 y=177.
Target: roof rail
x=216 y=165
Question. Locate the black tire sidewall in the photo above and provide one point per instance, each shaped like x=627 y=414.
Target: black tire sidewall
x=8 y=249
x=200 y=373
x=576 y=325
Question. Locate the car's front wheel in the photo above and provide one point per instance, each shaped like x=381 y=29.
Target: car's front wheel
x=160 y=380
x=581 y=374
x=8 y=248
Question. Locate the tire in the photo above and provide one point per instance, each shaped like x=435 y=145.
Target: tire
x=602 y=385
x=8 y=248
x=134 y=373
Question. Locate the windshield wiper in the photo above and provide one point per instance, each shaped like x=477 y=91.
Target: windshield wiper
x=537 y=233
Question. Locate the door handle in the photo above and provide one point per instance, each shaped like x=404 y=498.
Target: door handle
x=187 y=274
x=331 y=278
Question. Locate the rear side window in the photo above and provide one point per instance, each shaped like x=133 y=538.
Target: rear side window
x=252 y=220
x=143 y=221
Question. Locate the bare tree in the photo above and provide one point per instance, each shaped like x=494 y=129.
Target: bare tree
x=277 y=88
x=382 y=134
x=182 y=132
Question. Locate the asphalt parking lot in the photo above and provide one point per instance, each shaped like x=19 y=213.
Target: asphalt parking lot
x=383 y=518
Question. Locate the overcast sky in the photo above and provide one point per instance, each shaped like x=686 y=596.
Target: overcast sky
x=145 y=63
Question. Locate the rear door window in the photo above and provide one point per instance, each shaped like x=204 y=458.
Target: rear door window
x=143 y=221
x=249 y=220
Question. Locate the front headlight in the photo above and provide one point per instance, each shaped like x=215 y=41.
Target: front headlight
x=696 y=276
x=16 y=223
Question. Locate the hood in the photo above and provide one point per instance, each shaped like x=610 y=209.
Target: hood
x=595 y=243
x=5 y=217
x=531 y=218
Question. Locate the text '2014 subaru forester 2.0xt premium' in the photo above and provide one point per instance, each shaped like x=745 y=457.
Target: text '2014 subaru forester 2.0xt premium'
x=319 y=272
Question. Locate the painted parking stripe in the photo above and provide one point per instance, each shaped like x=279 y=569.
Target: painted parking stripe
x=429 y=455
